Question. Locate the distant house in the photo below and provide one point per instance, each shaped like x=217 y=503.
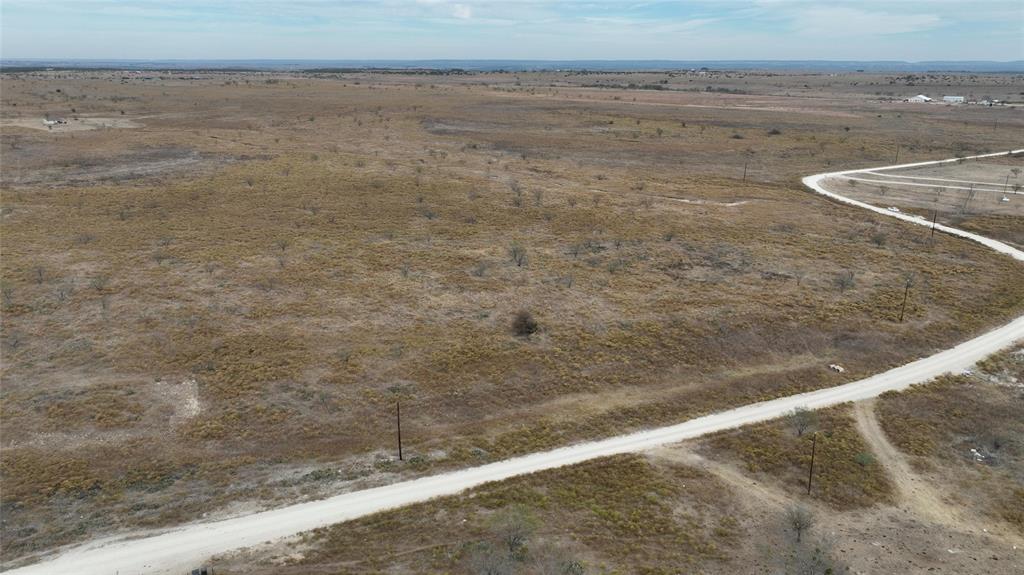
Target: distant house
x=918 y=99
x=953 y=99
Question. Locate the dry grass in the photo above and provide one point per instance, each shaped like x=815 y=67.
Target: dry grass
x=308 y=273
x=939 y=424
x=622 y=513
x=845 y=473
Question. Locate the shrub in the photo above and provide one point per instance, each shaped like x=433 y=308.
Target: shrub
x=799 y=520
x=844 y=281
x=518 y=255
x=523 y=324
x=802 y=419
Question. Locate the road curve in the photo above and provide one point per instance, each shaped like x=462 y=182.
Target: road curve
x=182 y=548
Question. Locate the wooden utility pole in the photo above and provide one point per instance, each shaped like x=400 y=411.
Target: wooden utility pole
x=897 y=154
x=970 y=196
x=810 y=472
x=398 y=416
x=903 y=308
x=935 y=216
x=745 y=162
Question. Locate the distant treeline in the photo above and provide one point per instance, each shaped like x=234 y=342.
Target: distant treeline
x=407 y=66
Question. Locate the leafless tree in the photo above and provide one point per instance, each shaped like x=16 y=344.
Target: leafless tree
x=799 y=520
x=513 y=526
x=518 y=255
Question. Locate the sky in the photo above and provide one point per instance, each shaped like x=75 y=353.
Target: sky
x=909 y=30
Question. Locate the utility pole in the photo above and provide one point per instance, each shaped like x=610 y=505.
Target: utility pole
x=745 y=162
x=903 y=308
x=935 y=216
x=970 y=196
x=810 y=472
x=897 y=154
x=398 y=416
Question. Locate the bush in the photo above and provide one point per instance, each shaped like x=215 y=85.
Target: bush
x=518 y=255
x=524 y=325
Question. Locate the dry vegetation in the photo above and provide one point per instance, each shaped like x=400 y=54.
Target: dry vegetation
x=223 y=305
x=846 y=475
x=626 y=513
x=744 y=508
x=966 y=433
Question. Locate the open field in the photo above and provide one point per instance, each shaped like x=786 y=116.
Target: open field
x=720 y=505
x=218 y=309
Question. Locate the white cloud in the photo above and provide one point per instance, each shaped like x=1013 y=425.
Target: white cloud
x=462 y=11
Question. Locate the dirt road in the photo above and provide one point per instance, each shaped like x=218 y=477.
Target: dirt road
x=182 y=548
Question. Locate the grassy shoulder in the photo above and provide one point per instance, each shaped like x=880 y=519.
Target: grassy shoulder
x=622 y=514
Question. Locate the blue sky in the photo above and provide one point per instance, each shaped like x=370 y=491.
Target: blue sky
x=528 y=29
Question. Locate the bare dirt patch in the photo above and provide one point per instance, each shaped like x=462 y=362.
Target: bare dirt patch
x=140 y=165
x=72 y=124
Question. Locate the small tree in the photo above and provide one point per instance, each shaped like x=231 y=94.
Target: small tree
x=513 y=526
x=802 y=419
x=518 y=255
x=799 y=520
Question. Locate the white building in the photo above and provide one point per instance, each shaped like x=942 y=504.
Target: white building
x=953 y=99
x=919 y=99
